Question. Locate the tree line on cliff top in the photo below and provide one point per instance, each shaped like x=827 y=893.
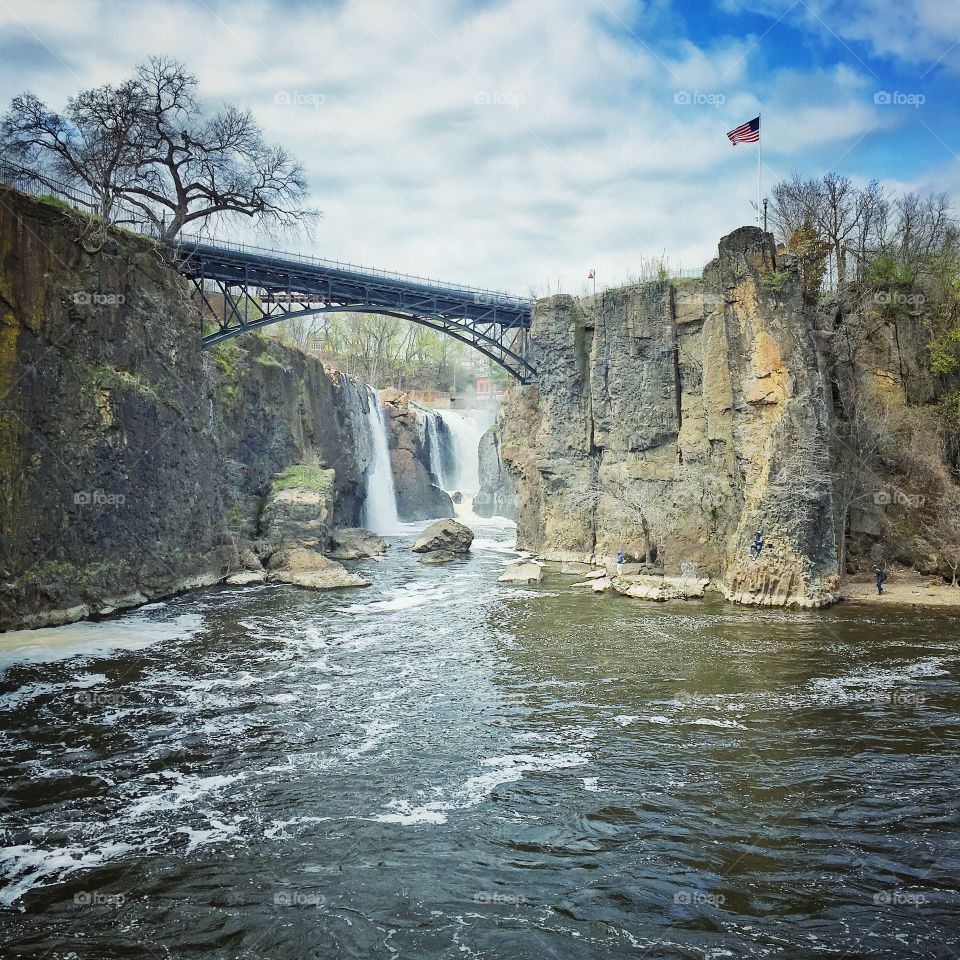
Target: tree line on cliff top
x=873 y=262
x=900 y=253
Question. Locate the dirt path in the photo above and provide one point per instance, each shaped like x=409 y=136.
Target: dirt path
x=904 y=588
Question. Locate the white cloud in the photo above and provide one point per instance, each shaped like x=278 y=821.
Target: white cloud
x=920 y=32
x=500 y=147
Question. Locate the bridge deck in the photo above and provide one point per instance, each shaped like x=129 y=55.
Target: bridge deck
x=346 y=285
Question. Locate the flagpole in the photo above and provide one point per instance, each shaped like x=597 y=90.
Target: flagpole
x=759 y=166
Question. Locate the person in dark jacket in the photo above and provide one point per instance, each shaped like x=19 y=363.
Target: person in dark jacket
x=619 y=563
x=881 y=577
x=757 y=545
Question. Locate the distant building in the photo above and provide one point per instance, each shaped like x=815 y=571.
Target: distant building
x=487 y=389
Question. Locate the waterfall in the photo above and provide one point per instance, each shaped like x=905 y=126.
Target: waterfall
x=434 y=450
x=463 y=431
x=379 y=512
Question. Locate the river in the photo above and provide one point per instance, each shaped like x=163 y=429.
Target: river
x=440 y=766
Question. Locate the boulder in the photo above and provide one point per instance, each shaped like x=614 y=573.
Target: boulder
x=659 y=588
x=355 y=543
x=601 y=584
x=298 y=509
x=440 y=556
x=526 y=571
x=246 y=578
x=448 y=536
x=304 y=567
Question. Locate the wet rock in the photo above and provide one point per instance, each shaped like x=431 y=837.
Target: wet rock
x=601 y=585
x=246 y=578
x=589 y=578
x=576 y=569
x=526 y=571
x=449 y=536
x=355 y=543
x=659 y=588
x=304 y=567
x=418 y=497
x=440 y=556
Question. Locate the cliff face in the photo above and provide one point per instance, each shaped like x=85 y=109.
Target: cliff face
x=132 y=463
x=497 y=496
x=418 y=497
x=673 y=422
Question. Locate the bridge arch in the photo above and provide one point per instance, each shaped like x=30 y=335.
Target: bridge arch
x=288 y=287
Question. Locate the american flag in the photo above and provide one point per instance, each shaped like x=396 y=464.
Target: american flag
x=748 y=132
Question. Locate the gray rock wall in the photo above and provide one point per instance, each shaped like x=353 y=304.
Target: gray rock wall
x=418 y=497
x=672 y=421
x=132 y=463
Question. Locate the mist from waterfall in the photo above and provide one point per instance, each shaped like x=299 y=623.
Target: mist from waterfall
x=379 y=512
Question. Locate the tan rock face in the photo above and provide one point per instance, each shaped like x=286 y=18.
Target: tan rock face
x=673 y=421
x=304 y=567
x=660 y=588
x=524 y=572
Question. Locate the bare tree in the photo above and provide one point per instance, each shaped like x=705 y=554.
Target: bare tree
x=91 y=143
x=193 y=167
x=149 y=144
x=844 y=215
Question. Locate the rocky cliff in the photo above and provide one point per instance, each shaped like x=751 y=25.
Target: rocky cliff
x=673 y=421
x=497 y=496
x=133 y=463
x=418 y=495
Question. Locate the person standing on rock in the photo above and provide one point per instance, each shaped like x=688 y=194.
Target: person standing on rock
x=757 y=545
x=881 y=576
x=620 y=563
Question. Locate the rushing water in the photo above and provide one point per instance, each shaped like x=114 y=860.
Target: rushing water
x=380 y=504
x=465 y=428
x=440 y=766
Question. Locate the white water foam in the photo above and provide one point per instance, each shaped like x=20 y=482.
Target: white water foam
x=506 y=769
x=93 y=640
x=27 y=866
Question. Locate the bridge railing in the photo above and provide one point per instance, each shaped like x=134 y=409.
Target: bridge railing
x=40 y=185
x=343 y=266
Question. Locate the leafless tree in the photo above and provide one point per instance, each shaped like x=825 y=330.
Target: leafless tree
x=193 y=167
x=149 y=144
x=838 y=210
x=91 y=143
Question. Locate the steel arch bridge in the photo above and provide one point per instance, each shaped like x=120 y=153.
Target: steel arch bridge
x=260 y=287
x=287 y=285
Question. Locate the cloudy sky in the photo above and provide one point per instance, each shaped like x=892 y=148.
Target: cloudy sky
x=518 y=143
